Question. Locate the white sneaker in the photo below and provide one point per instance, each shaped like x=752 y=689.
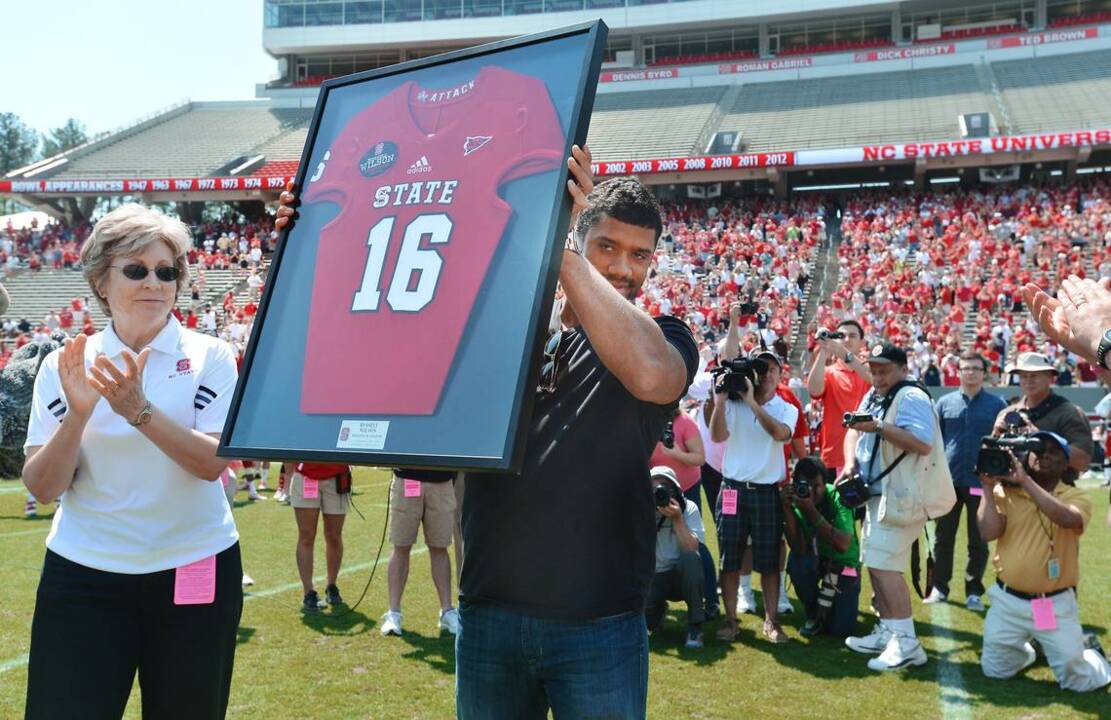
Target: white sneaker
x=247 y=580
x=901 y=652
x=281 y=497
x=974 y=603
x=785 y=607
x=391 y=623
x=746 y=602
x=873 y=643
x=935 y=596
x=255 y=496
x=449 y=620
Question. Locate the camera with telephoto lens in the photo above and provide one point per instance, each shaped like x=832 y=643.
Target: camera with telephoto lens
x=668 y=436
x=826 y=334
x=808 y=470
x=749 y=308
x=733 y=376
x=994 y=459
x=662 y=495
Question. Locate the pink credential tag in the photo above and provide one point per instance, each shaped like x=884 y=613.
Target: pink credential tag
x=850 y=572
x=310 y=488
x=1044 y=616
x=412 y=488
x=976 y=492
x=728 y=501
x=195 y=583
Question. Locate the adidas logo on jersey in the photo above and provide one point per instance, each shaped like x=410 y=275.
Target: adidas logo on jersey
x=420 y=167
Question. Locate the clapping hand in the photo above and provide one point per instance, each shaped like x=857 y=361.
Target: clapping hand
x=1077 y=318
x=81 y=396
x=123 y=389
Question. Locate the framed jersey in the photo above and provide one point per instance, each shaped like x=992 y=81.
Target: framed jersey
x=404 y=317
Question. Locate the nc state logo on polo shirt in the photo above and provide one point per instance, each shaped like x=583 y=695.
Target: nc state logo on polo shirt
x=184 y=367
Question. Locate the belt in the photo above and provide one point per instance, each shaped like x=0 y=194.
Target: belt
x=746 y=485
x=1029 y=596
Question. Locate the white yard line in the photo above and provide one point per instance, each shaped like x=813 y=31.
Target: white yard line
x=954 y=702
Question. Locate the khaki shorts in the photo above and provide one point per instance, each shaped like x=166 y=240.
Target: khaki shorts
x=886 y=547
x=327 y=500
x=435 y=508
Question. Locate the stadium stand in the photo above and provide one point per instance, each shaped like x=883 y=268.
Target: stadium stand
x=1057 y=93
x=660 y=123
x=831 y=112
x=193 y=143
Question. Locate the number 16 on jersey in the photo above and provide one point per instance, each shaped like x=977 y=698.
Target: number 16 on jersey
x=403 y=295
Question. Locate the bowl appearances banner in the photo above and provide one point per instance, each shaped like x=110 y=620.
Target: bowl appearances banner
x=406 y=309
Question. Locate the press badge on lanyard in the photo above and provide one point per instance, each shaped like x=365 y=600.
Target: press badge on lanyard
x=728 y=501
x=195 y=583
x=1053 y=567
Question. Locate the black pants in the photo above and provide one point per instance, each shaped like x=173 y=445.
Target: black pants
x=711 y=485
x=93 y=629
x=682 y=582
x=977 y=548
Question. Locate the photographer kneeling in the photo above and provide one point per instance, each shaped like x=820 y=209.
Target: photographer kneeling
x=678 y=565
x=1036 y=521
x=825 y=555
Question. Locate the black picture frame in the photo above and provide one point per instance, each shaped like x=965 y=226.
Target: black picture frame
x=236 y=442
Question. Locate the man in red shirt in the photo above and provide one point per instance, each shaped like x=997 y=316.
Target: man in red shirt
x=840 y=386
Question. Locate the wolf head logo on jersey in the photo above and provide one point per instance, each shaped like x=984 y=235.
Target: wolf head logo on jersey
x=474 y=142
x=378 y=159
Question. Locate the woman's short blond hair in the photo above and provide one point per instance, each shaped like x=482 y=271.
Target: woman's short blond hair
x=126 y=232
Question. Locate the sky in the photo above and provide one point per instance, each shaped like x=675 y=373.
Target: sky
x=108 y=63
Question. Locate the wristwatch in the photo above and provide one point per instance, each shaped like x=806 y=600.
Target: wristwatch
x=879 y=426
x=849 y=358
x=144 y=415
x=1104 y=347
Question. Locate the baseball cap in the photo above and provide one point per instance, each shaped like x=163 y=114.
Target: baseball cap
x=768 y=355
x=887 y=353
x=1045 y=434
x=1031 y=362
x=663 y=471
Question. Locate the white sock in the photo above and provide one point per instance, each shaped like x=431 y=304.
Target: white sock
x=746 y=584
x=904 y=626
x=265 y=475
x=251 y=488
x=783 y=584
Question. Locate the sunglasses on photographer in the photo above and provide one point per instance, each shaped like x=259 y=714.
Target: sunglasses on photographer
x=135 y=271
x=550 y=369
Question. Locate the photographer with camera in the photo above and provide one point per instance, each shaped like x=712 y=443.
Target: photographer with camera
x=1036 y=521
x=825 y=555
x=840 y=379
x=679 y=533
x=888 y=442
x=680 y=448
x=966 y=416
x=755 y=424
x=1040 y=408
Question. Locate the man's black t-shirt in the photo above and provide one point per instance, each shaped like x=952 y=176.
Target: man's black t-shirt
x=573 y=536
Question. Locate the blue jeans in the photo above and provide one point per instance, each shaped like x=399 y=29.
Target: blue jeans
x=515 y=667
x=709 y=569
x=806 y=575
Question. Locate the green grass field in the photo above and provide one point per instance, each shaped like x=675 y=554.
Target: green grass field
x=292 y=666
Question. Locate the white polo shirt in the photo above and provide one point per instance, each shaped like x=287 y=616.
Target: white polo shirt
x=131 y=509
x=751 y=454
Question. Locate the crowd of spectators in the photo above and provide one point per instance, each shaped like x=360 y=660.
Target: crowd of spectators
x=939 y=273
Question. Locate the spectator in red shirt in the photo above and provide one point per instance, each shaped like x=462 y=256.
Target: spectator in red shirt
x=840 y=386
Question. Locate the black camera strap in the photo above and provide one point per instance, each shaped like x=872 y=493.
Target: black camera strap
x=884 y=405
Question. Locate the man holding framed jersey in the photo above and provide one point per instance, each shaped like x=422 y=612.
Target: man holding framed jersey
x=558 y=559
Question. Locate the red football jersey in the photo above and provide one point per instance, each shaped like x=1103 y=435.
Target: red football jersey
x=417 y=175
